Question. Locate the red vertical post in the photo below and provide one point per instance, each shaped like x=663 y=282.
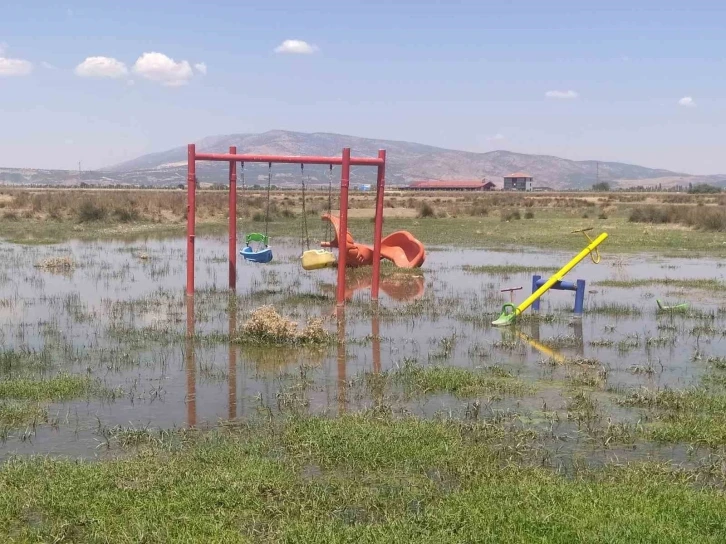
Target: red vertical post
x=232 y=220
x=343 y=237
x=191 y=213
x=378 y=229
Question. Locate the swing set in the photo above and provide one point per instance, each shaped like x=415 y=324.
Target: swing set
x=257 y=245
x=261 y=252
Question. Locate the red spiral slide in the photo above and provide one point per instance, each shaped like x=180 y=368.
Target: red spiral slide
x=400 y=247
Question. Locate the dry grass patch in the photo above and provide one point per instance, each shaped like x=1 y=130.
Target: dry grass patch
x=266 y=326
x=57 y=264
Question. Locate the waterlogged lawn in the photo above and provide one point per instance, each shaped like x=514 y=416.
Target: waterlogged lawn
x=364 y=478
x=17 y=413
x=418 y=380
x=549 y=228
x=61 y=387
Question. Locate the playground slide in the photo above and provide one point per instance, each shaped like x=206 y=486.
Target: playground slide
x=400 y=247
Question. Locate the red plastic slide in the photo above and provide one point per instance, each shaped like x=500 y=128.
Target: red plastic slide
x=400 y=247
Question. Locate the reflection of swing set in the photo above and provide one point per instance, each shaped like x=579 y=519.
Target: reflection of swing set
x=259 y=243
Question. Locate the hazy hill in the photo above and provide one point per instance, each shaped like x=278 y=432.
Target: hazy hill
x=409 y=161
x=406 y=162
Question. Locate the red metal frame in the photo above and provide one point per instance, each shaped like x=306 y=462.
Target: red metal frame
x=345 y=161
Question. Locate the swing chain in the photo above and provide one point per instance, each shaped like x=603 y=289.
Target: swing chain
x=328 y=224
x=244 y=201
x=304 y=235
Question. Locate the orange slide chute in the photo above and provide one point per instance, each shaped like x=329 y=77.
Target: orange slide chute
x=400 y=247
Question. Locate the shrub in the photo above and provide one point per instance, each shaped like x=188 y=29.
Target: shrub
x=88 y=211
x=511 y=216
x=126 y=215
x=703 y=188
x=479 y=209
x=602 y=215
x=529 y=214
x=711 y=218
x=426 y=210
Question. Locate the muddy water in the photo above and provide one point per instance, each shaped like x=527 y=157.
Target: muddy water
x=121 y=316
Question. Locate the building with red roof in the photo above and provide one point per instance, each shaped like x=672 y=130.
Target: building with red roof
x=441 y=185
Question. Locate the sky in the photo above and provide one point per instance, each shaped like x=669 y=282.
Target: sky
x=102 y=82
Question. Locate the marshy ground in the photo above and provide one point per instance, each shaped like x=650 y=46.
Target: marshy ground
x=129 y=413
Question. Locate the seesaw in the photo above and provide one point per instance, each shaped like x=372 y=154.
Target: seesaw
x=510 y=312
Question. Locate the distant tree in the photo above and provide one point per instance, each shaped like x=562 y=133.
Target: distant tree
x=703 y=188
x=602 y=186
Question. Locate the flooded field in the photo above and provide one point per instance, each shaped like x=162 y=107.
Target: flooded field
x=107 y=332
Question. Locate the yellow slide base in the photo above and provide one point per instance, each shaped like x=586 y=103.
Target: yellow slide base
x=315 y=259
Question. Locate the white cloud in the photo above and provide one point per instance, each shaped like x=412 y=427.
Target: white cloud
x=15 y=67
x=296 y=47
x=497 y=137
x=687 y=101
x=562 y=94
x=201 y=68
x=162 y=69
x=48 y=66
x=101 y=67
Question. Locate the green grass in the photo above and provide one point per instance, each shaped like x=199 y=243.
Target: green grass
x=696 y=416
x=61 y=387
x=16 y=413
x=503 y=269
x=352 y=479
x=550 y=228
x=709 y=284
x=462 y=382
x=614 y=309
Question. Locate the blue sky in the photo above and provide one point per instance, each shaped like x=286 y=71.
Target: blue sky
x=638 y=81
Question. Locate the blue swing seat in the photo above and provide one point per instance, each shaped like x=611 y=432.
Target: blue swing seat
x=256 y=256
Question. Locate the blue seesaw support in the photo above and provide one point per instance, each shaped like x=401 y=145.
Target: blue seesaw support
x=578 y=287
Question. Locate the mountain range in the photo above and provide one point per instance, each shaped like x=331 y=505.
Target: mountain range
x=406 y=162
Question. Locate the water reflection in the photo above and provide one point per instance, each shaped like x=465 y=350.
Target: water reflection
x=400 y=286
x=232 y=377
x=191 y=365
x=341 y=358
x=534 y=340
